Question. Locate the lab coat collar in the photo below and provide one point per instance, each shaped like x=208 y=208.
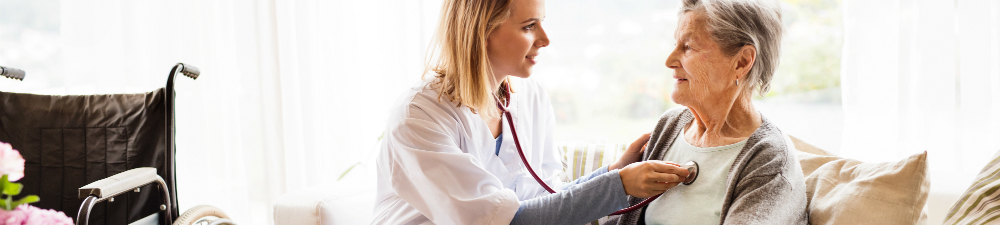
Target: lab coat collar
x=508 y=157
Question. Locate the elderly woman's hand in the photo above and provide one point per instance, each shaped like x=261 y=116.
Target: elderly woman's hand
x=632 y=154
x=648 y=178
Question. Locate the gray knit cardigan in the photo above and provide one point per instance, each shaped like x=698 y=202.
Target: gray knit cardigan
x=764 y=185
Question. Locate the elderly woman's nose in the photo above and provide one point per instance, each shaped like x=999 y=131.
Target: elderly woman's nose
x=673 y=61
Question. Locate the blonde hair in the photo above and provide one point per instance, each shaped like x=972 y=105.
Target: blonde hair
x=463 y=69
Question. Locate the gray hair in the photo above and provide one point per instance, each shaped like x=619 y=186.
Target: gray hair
x=737 y=23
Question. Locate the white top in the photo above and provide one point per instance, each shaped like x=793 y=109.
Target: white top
x=700 y=202
x=437 y=163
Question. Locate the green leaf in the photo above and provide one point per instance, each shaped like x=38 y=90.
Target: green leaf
x=26 y=200
x=4 y=181
x=12 y=189
x=348 y=170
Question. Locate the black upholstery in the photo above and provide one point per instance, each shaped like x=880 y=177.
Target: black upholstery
x=71 y=141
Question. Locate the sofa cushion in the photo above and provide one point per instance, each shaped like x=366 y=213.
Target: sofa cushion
x=979 y=204
x=848 y=191
x=348 y=202
x=800 y=145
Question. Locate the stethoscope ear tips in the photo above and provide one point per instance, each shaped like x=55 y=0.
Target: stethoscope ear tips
x=692 y=168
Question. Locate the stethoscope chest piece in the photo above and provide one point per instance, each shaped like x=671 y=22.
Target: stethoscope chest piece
x=692 y=168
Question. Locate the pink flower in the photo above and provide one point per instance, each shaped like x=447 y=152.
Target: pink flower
x=11 y=162
x=30 y=215
x=38 y=216
x=13 y=217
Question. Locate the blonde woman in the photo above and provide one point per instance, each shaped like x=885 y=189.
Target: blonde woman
x=449 y=157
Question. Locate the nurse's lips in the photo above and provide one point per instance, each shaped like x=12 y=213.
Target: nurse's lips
x=531 y=59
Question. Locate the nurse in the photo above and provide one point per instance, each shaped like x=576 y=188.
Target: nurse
x=449 y=157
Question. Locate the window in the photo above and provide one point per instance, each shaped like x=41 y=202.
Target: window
x=605 y=72
x=29 y=40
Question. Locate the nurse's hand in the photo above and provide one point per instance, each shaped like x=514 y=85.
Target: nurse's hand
x=632 y=154
x=648 y=178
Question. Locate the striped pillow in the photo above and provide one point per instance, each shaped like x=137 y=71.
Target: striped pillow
x=583 y=157
x=580 y=158
x=981 y=202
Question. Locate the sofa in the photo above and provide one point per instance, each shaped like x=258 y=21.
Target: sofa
x=833 y=184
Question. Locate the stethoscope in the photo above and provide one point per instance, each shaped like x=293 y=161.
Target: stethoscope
x=691 y=166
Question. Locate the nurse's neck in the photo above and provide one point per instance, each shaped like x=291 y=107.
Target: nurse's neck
x=497 y=82
x=494 y=122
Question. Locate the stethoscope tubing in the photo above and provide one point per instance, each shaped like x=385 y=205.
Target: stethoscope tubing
x=517 y=144
x=521 y=153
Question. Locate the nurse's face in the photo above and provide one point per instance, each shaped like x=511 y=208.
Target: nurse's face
x=513 y=45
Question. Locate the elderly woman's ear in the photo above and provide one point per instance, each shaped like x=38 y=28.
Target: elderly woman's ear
x=744 y=61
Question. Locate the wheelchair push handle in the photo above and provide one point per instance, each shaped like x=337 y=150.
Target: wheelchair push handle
x=12 y=73
x=189 y=70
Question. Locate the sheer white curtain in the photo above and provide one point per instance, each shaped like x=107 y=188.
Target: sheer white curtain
x=292 y=93
x=923 y=75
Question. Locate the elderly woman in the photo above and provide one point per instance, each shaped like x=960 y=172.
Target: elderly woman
x=727 y=50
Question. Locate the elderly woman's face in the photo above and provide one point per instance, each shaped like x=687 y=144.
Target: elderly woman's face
x=705 y=75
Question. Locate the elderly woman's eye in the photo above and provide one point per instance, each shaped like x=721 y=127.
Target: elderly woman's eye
x=687 y=47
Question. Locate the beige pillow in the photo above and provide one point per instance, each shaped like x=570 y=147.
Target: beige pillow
x=800 y=145
x=848 y=191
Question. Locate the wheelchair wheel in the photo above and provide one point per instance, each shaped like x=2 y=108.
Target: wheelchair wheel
x=203 y=215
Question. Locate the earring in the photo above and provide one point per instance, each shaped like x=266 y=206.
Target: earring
x=737 y=82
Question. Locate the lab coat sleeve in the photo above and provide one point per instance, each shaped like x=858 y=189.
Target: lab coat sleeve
x=431 y=173
x=578 y=204
x=585 y=178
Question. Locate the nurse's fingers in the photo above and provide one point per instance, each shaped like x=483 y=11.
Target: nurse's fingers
x=645 y=179
x=668 y=167
x=665 y=178
x=639 y=144
x=632 y=154
x=661 y=187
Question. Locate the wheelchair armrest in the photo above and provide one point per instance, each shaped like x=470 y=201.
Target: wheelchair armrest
x=120 y=183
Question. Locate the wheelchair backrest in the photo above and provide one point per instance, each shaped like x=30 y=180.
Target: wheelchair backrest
x=71 y=141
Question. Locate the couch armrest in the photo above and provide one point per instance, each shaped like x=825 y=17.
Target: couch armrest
x=350 y=202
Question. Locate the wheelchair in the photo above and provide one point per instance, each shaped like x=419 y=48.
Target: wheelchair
x=71 y=144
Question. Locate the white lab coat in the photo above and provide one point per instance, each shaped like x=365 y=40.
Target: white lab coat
x=437 y=162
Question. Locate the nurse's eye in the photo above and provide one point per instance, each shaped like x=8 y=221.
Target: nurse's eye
x=529 y=27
